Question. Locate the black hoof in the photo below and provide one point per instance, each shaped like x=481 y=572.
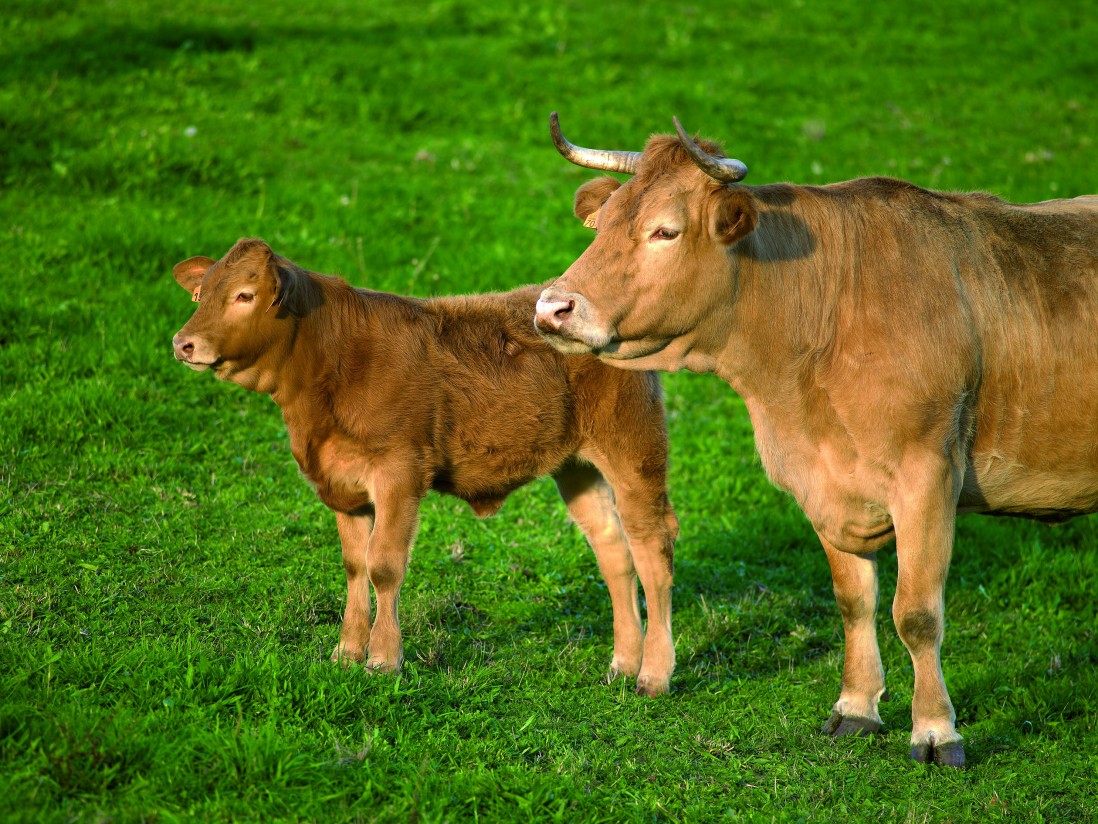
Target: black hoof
x=839 y=725
x=944 y=755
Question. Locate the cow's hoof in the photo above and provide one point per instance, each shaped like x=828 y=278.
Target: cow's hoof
x=381 y=665
x=622 y=668
x=346 y=657
x=839 y=725
x=950 y=754
x=652 y=687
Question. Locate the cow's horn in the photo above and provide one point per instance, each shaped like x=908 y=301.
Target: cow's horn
x=724 y=169
x=625 y=162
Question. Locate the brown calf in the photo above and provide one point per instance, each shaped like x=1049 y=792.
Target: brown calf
x=904 y=355
x=387 y=397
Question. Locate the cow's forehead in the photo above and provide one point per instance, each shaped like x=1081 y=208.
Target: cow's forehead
x=640 y=199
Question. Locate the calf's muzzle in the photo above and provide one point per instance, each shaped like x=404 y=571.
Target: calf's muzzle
x=184 y=348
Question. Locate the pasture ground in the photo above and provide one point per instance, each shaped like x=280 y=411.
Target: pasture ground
x=169 y=586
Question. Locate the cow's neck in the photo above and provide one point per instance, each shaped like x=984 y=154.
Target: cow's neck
x=780 y=315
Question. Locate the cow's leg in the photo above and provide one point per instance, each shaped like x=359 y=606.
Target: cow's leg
x=650 y=528
x=855 y=581
x=591 y=504
x=386 y=563
x=354 y=536
x=924 y=544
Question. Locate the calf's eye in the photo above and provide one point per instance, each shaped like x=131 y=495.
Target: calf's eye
x=663 y=233
x=245 y=297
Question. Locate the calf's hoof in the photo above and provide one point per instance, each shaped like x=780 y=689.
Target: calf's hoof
x=950 y=754
x=839 y=725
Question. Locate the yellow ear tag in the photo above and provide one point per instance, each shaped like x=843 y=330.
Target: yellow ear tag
x=194 y=295
x=591 y=222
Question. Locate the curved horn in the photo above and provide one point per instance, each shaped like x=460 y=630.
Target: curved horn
x=724 y=169
x=625 y=162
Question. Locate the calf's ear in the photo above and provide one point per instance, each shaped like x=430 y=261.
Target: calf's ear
x=590 y=197
x=733 y=216
x=190 y=272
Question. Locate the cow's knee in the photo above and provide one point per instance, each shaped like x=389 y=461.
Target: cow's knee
x=919 y=629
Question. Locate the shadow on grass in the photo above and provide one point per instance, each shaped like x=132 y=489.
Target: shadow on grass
x=114 y=49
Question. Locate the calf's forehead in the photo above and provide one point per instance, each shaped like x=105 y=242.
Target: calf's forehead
x=228 y=275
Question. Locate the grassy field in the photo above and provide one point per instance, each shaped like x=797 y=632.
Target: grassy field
x=170 y=587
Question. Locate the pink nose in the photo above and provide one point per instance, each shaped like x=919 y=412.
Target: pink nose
x=184 y=348
x=552 y=313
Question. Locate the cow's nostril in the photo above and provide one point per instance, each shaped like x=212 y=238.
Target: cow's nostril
x=564 y=310
x=187 y=348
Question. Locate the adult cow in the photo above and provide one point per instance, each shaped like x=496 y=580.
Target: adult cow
x=904 y=355
x=386 y=397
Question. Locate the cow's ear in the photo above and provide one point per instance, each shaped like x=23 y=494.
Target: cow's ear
x=590 y=197
x=734 y=215
x=190 y=272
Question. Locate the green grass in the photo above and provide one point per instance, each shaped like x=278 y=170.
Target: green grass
x=169 y=586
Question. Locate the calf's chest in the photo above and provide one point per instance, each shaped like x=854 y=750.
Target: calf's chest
x=343 y=473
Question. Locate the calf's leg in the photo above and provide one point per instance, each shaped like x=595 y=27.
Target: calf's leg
x=354 y=536
x=591 y=504
x=386 y=563
x=855 y=581
x=650 y=527
x=924 y=543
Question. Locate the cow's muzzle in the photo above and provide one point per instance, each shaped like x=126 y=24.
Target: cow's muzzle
x=568 y=321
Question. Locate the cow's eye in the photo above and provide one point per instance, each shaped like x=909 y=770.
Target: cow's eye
x=245 y=297
x=663 y=233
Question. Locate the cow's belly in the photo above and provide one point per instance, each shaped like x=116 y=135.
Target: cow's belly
x=1035 y=452
x=995 y=485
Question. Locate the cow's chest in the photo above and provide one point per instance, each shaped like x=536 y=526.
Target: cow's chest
x=843 y=494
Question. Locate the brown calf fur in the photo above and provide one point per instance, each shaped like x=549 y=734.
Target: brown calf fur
x=904 y=355
x=387 y=397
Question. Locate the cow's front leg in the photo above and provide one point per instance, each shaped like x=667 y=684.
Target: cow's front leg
x=924 y=544
x=386 y=562
x=354 y=537
x=855 y=580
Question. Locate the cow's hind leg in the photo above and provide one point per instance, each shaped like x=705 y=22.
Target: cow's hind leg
x=924 y=544
x=591 y=504
x=855 y=581
x=354 y=537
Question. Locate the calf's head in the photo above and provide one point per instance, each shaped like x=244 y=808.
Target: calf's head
x=660 y=258
x=242 y=310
